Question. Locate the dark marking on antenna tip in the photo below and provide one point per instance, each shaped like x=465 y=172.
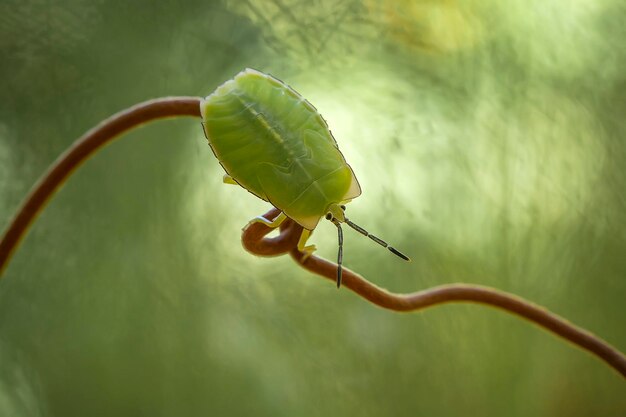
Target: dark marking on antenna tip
x=398 y=253
x=339 y=276
x=376 y=239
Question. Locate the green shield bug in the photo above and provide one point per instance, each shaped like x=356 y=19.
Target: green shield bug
x=274 y=143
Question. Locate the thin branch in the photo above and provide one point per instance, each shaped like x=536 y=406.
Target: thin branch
x=80 y=151
x=253 y=238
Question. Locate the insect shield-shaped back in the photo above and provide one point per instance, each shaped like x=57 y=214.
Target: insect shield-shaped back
x=276 y=145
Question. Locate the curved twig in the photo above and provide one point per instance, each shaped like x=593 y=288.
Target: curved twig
x=80 y=151
x=254 y=239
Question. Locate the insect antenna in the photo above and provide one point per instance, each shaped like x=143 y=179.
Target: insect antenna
x=340 y=252
x=376 y=239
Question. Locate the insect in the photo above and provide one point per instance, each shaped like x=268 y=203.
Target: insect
x=274 y=143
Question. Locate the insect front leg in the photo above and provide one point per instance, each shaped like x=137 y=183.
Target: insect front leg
x=269 y=223
x=308 y=250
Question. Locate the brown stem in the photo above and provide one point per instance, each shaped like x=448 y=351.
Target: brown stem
x=253 y=237
x=82 y=149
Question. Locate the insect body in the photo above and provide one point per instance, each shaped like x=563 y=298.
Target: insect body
x=275 y=144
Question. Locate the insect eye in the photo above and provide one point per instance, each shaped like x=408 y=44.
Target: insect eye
x=343 y=207
x=329 y=216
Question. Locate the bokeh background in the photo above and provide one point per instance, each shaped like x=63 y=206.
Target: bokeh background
x=490 y=141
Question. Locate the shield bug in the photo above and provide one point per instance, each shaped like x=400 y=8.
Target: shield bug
x=274 y=143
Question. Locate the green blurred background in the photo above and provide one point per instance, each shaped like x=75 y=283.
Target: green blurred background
x=488 y=137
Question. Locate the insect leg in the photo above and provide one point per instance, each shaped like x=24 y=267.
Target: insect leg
x=229 y=180
x=308 y=250
x=269 y=223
